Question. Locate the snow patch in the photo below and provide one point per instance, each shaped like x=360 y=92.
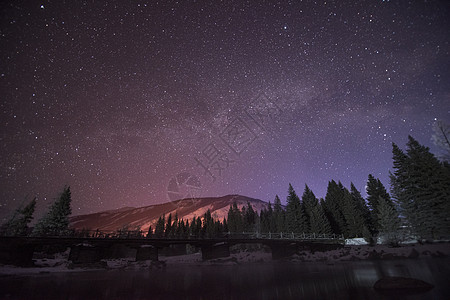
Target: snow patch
x=356 y=241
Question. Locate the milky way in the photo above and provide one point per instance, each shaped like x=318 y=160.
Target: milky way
x=133 y=104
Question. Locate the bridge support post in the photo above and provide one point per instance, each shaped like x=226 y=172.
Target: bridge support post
x=17 y=254
x=147 y=252
x=215 y=251
x=81 y=254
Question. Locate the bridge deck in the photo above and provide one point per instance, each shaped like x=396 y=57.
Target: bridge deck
x=230 y=238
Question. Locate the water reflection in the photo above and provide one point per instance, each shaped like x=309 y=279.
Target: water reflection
x=278 y=280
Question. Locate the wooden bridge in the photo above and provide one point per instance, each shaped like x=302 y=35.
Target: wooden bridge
x=94 y=246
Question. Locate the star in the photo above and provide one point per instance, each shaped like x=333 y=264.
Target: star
x=117 y=100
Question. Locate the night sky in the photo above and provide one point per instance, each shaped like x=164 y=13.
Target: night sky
x=133 y=104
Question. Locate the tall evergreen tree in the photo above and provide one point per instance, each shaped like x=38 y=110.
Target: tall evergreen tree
x=265 y=221
x=333 y=204
x=361 y=205
x=279 y=216
x=368 y=227
x=249 y=218
x=421 y=186
x=160 y=227
x=168 y=230
x=187 y=229
x=295 y=216
x=18 y=224
x=225 y=225
x=198 y=227
x=353 y=215
x=389 y=222
x=271 y=220
x=235 y=219
x=180 y=229
x=441 y=138
x=150 y=232
x=375 y=191
x=319 y=222
x=309 y=202
x=174 y=229
x=56 y=221
x=208 y=229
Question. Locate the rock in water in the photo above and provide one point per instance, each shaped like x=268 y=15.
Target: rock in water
x=403 y=284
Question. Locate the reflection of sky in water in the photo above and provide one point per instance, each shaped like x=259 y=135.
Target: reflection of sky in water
x=278 y=280
x=365 y=275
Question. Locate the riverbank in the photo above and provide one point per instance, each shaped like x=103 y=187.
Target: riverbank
x=347 y=253
x=240 y=255
x=221 y=280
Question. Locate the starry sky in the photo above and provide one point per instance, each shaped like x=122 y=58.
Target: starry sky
x=134 y=103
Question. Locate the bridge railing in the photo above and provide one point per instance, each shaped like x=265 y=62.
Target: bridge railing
x=286 y=236
x=137 y=234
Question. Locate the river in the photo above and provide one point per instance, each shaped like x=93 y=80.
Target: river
x=273 y=280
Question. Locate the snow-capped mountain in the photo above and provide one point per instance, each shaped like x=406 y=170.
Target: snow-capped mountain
x=143 y=217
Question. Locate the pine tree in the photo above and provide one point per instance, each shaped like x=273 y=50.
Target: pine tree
x=361 y=206
x=231 y=219
x=353 y=216
x=279 y=216
x=375 y=191
x=265 y=221
x=56 y=221
x=160 y=227
x=249 y=218
x=441 y=138
x=174 y=230
x=295 y=217
x=225 y=225
x=198 y=227
x=309 y=202
x=235 y=221
x=389 y=222
x=319 y=222
x=421 y=186
x=150 y=232
x=18 y=224
x=333 y=205
x=187 y=230
x=270 y=218
x=123 y=231
x=168 y=230
x=208 y=227
x=180 y=229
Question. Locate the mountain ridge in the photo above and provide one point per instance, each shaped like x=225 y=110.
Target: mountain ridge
x=142 y=218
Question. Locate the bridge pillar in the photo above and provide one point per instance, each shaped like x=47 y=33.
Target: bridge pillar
x=16 y=254
x=147 y=252
x=215 y=251
x=283 y=250
x=81 y=254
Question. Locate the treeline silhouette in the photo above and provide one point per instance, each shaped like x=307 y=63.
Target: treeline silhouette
x=418 y=206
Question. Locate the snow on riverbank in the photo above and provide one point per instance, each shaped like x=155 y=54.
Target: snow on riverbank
x=349 y=253
x=365 y=252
